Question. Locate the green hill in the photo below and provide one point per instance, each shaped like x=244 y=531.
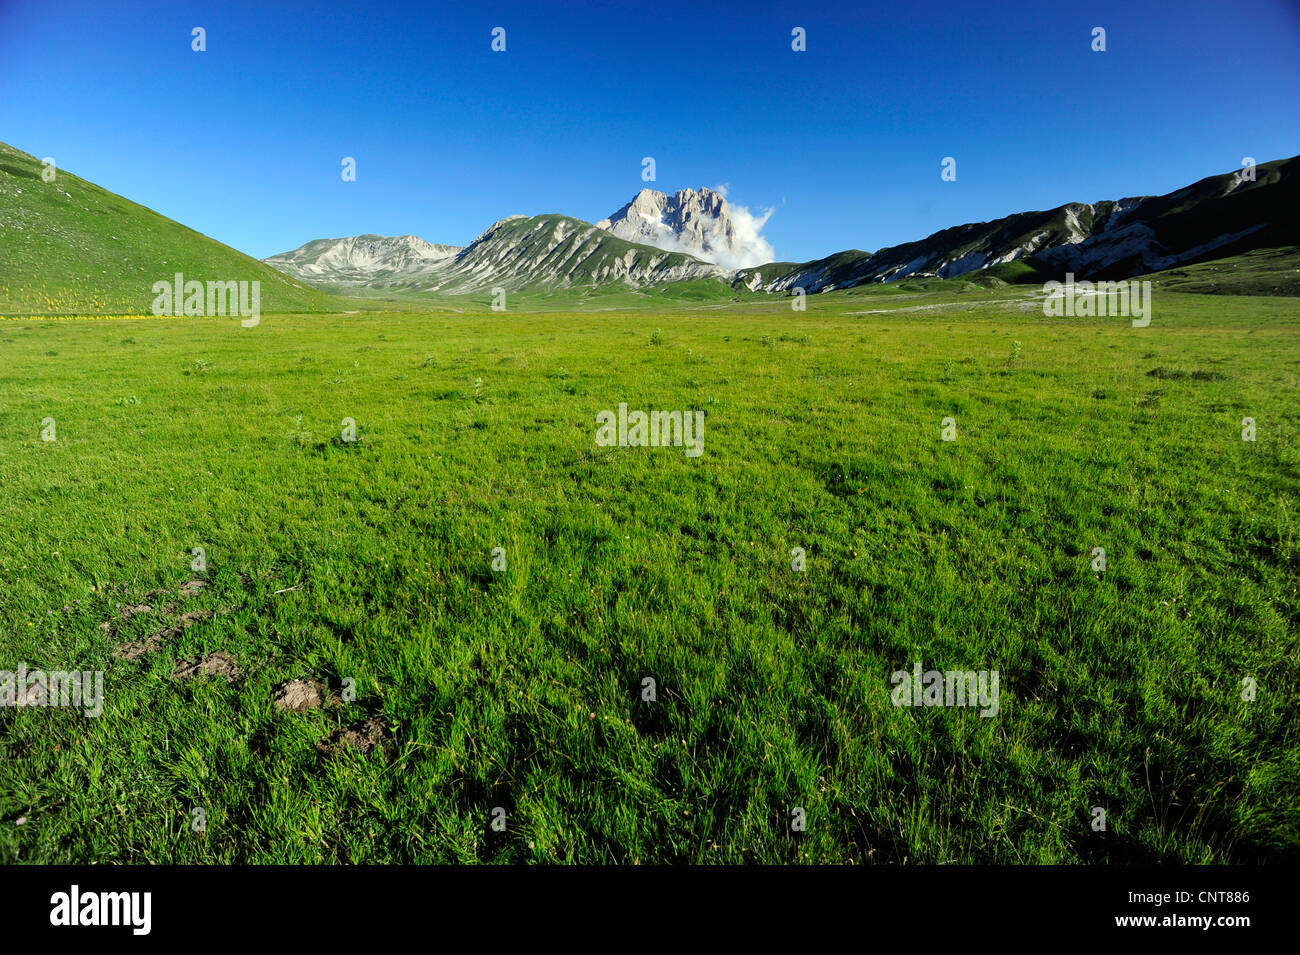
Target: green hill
x=69 y=247
x=1261 y=272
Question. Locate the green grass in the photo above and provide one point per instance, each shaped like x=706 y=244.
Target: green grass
x=521 y=689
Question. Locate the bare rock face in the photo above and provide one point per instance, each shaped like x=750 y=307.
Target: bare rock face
x=702 y=224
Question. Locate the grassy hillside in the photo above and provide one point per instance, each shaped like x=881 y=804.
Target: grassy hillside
x=521 y=687
x=1262 y=272
x=70 y=247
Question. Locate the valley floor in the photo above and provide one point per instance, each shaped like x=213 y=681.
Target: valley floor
x=612 y=645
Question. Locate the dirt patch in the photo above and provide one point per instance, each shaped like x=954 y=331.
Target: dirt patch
x=218 y=663
x=188 y=589
x=362 y=737
x=135 y=649
x=299 y=695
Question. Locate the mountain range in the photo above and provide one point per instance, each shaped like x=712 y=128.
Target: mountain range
x=657 y=238
x=516 y=252
x=68 y=246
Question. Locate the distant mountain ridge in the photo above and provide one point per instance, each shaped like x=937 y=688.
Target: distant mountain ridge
x=515 y=252
x=530 y=251
x=363 y=260
x=656 y=238
x=1217 y=216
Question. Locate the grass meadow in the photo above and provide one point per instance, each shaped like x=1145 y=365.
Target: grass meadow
x=367 y=566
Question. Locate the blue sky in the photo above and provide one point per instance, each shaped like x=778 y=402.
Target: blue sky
x=244 y=141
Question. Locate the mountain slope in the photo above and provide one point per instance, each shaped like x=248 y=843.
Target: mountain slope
x=1217 y=216
x=1260 y=272
x=555 y=250
x=70 y=247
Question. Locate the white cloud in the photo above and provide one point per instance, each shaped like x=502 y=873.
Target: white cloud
x=749 y=248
